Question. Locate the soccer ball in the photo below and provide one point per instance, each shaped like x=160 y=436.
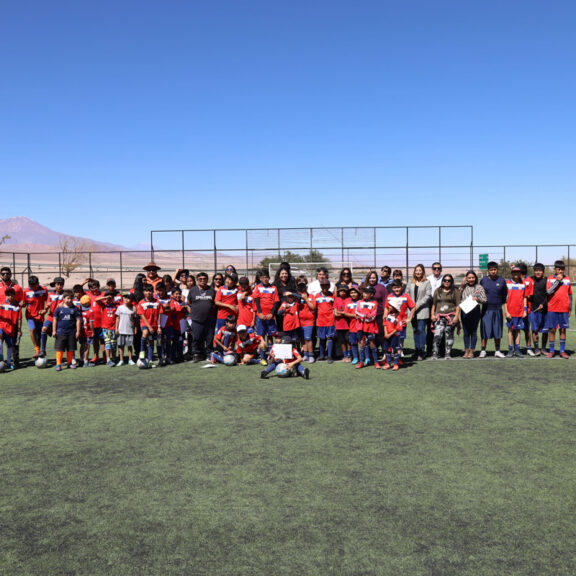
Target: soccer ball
x=282 y=370
x=142 y=363
x=230 y=360
x=41 y=362
x=2 y=366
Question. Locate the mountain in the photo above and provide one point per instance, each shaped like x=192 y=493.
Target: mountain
x=28 y=235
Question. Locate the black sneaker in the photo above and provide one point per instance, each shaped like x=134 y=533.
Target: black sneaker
x=306 y=374
x=263 y=375
x=510 y=354
x=330 y=360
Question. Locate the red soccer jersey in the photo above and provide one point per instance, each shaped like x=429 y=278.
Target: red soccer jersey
x=9 y=315
x=267 y=296
x=96 y=308
x=402 y=303
x=324 y=309
x=178 y=312
x=245 y=309
x=18 y=292
x=53 y=302
x=87 y=318
x=515 y=301
x=35 y=301
x=306 y=315
x=225 y=337
x=529 y=284
x=165 y=317
x=150 y=309
x=342 y=322
x=351 y=309
x=290 y=312
x=366 y=311
x=226 y=296
x=250 y=345
x=560 y=300
x=392 y=323
x=108 y=315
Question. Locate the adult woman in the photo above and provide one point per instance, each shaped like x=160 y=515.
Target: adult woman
x=230 y=270
x=420 y=290
x=286 y=285
x=186 y=285
x=346 y=277
x=445 y=313
x=380 y=295
x=471 y=288
x=168 y=282
x=217 y=281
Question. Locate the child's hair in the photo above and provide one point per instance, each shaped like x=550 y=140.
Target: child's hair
x=93 y=284
x=77 y=288
x=176 y=289
x=130 y=297
x=559 y=264
x=233 y=276
x=160 y=286
x=492 y=265
x=302 y=287
x=398 y=273
x=396 y=283
x=68 y=292
x=230 y=319
x=243 y=281
x=10 y=292
x=523 y=268
x=148 y=288
x=263 y=273
x=32 y=280
x=301 y=279
x=539 y=266
x=167 y=279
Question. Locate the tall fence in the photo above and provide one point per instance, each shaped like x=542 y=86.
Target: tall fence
x=364 y=248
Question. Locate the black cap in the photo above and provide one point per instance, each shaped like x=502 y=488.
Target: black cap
x=57 y=280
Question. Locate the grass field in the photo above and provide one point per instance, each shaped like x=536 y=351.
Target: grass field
x=463 y=467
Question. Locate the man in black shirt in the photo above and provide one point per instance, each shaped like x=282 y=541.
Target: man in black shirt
x=203 y=317
x=539 y=307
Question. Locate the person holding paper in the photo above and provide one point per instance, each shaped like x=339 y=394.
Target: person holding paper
x=472 y=294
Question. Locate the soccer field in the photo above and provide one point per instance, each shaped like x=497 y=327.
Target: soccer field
x=462 y=467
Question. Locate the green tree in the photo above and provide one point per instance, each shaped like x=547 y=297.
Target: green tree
x=292 y=258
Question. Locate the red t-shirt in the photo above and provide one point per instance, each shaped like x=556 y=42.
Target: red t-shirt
x=402 y=303
x=250 y=345
x=391 y=323
x=18 y=292
x=178 y=312
x=246 y=309
x=226 y=296
x=53 y=302
x=150 y=309
x=342 y=322
x=560 y=300
x=35 y=301
x=515 y=301
x=9 y=315
x=290 y=312
x=351 y=309
x=267 y=296
x=306 y=315
x=529 y=283
x=95 y=308
x=107 y=315
x=87 y=317
x=366 y=311
x=324 y=309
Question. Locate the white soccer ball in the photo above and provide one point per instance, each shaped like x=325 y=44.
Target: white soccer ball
x=230 y=360
x=282 y=370
x=142 y=363
x=41 y=362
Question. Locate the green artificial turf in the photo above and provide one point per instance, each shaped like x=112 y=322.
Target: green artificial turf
x=444 y=468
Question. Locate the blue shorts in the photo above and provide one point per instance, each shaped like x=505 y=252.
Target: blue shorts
x=353 y=338
x=325 y=332
x=557 y=320
x=47 y=324
x=538 y=321
x=491 y=326
x=293 y=334
x=266 y=327
x=394 y=343
x=369 y=336
x=307 y=332
x=515 y=323
x=35 y=325
x=97 y=334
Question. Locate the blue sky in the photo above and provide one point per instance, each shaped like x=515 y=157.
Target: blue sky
x=121 y=117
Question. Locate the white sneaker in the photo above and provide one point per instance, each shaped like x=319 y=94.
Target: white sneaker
x=121 y=363
x=499 y=354
x=482 y=354
x=530 y=352
x=131 y=363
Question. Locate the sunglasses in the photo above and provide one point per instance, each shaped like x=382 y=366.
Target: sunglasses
x=436 y=268
x=447 y=280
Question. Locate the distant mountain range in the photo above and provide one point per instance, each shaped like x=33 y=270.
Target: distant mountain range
x=27 y=235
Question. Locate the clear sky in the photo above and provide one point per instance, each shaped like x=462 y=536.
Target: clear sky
x=121 y=117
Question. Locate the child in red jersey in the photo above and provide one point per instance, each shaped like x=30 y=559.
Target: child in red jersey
x=224 y=341
x=166 y=337
x=226 y=300
x=325 y=321
x=516 y=311
x=342 y=321
x=108 y=307
x=307 y=319
x=289 y=310
x=559 y=290
x=179 y=311
x=35 y=298
x=54 y=299
x=267 y=302
x=87 y=332
x=294 y=363
x=402 y=302
x=366 y=311
x=10 y=325
x=350 y=313
x=149 y=310
x=94 y=293
x=249 y=346
x=246 y=310
x=393 y=328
